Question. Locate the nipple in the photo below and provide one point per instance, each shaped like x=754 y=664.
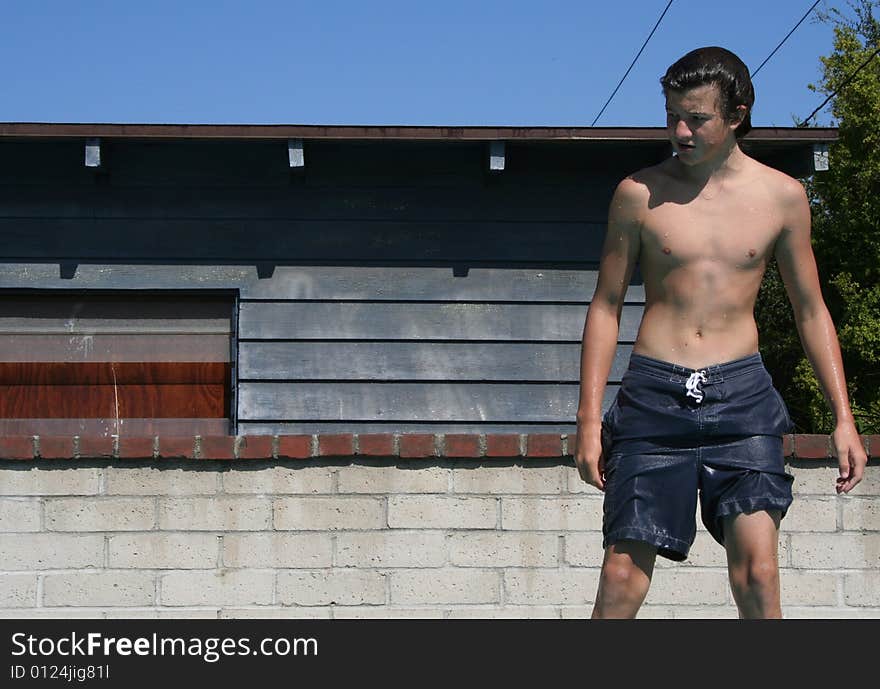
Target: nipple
x=667 y=250
x=752 y=253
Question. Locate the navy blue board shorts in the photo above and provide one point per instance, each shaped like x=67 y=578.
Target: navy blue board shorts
x=672 y=432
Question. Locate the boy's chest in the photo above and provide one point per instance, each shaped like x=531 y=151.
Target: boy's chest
x=739 y=233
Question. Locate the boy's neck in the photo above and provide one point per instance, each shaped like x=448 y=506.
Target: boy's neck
x=729 y=161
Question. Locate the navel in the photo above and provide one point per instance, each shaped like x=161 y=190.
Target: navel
x=667 y=250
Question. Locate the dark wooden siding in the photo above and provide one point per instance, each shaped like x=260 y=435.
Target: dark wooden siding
x=401 y=286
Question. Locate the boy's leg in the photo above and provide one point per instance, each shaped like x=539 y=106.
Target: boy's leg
x=624 y=580
x=751 y=541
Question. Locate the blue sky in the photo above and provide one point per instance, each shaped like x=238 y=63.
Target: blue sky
x=388 y=62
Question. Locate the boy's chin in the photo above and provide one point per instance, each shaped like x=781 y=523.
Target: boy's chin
x=687 y=159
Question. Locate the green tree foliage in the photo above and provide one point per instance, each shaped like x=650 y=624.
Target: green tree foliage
x=846 y=237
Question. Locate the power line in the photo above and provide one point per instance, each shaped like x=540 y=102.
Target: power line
x=784 y=39
x=845 y=82
x=633 y=63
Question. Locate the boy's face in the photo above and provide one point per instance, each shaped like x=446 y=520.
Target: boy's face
x=695 y=125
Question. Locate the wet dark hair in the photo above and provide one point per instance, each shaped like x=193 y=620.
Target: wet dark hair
x=719 y=66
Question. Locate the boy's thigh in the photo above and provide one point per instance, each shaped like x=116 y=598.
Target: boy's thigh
x=752 y=537
x=627 y=555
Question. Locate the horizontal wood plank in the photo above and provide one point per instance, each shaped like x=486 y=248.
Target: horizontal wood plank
x=438 y=361
x=414 y=402
x=298 y=240
x=132 y=347
x=142 y=401
x=105 y=426
x=353 y=321
x=400 y=283
x=281 y=428
x=114 y=373
x=511 y=203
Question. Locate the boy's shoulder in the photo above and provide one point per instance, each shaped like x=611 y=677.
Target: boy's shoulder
x=637 y=186
x=776 y=179
x=654 y=179
x=648 y=178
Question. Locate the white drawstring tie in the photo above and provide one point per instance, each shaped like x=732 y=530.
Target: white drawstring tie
x=692 y=385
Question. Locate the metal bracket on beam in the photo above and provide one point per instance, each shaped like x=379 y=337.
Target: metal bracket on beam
x=93 y=153
x=67 y=270
x=496 y=156
x=295 y=154
x=265 y=270
x=820 y=157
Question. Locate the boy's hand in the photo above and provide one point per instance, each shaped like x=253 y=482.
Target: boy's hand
x=588 y=453
x=851 y=456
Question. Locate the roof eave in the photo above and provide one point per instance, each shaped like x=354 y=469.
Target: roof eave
x=46 y=130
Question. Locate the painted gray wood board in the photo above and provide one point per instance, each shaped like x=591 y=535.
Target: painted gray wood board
x=201 y=241
x=76 y=313
x=453 y=402
x=582 y=202
x=130 y=346
x=454 y=321
x=350 y=283
x=446 y=427
x=434 y=361
x=113 y=426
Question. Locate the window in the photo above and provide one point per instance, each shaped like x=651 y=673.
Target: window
x=129 y=363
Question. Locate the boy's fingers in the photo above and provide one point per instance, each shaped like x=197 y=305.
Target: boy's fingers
x=591 y=474
x=849 y=480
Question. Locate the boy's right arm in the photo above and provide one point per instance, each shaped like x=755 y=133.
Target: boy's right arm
x=619 y=255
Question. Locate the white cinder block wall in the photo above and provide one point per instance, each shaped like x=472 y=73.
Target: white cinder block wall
x=381 y=538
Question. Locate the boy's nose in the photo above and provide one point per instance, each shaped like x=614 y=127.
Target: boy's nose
x=681 y=130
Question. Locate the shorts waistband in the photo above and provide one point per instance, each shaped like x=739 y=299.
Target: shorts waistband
x=714 y=373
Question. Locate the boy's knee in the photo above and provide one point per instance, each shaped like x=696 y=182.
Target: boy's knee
x=623 y=575
x=756 y=574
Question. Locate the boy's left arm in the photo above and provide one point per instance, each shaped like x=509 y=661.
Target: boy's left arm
x=797 y=266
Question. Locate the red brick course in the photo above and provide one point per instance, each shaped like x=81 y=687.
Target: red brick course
x=295 y=446
x=336 y=445
x=414 y=445
x=132 y=447
x=376 y=444
x=171 y=446
x=217 y=447
x=56 y=447
x=97 y=446
x=255 y=447
x=544 y=445
x=17 y=447
x=462 y=445
x=812 y=446
x=788 y=445
x=502 y=445
x=411 y=445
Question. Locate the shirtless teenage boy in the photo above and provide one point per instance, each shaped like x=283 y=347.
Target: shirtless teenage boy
x=696 y=408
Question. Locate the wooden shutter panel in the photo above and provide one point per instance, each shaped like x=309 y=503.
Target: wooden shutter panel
x=127 y=363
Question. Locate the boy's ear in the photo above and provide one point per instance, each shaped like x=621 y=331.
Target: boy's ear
x=741 y=111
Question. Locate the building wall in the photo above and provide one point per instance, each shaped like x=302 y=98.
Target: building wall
x=387 y=287
x=398 y=534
